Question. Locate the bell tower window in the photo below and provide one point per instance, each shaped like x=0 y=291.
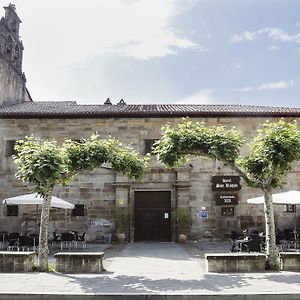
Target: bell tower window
x=17 y=51
x=8 y=45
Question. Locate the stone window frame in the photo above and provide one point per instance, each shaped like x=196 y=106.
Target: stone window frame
x=12 y=210
x=10 y=147
x=290 y=208
x=78 y=210
x=227 y=211
x=148 y=144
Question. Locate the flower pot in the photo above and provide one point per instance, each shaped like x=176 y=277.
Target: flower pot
x=121 y=238
x=182 y=238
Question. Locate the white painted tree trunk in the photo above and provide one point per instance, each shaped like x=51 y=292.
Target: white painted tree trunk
x=271 y=249
x=43 y=239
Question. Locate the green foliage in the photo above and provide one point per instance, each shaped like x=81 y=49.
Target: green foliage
x=46 y=164
x=121 y=219
x=41 y=163
x=272 y=153
x=92 y=153
x=190 y=138
x=184 y=220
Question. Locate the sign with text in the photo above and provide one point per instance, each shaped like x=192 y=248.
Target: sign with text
x=226 y=183
x=203 y=214
x=227 y=199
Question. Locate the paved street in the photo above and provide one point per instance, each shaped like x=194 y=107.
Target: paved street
x=155 y=268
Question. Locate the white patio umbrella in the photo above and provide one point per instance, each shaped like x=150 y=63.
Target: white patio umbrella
x=285 y=198
x=291 y=197
x=37 y=200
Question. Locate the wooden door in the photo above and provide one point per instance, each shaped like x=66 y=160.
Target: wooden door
x=152 y=219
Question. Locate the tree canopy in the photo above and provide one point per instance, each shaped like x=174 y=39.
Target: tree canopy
x=271 y=155
x=46 y=164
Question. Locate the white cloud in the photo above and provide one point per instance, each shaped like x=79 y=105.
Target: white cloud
x=267 y=86
x=205 y=96
x=273 y=33
x=72 y=30
x=273 y=48
x=59 y=35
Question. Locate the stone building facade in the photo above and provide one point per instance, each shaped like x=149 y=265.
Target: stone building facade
x=152 y=203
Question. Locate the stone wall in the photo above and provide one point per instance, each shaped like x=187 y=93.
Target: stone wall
x=190 y=185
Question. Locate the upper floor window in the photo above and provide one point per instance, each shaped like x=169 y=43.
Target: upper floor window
x=149 y=145
x=10 y=148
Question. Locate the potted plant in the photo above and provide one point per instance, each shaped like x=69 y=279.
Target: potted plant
x=121 y=223
x=183 y=215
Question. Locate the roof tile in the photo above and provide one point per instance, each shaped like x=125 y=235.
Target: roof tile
x=70 y=109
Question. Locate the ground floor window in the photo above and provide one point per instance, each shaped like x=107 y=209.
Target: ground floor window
x=12 y=210
x=227 y=211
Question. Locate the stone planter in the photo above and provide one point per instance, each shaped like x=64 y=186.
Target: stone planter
x=17 y=261
x=235 y=262
x=79 y=262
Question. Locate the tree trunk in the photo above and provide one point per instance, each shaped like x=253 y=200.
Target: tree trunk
x=43 y=243
x=271 y=250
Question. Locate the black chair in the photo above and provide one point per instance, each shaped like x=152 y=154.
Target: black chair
x=3 y=239
x=13 y=241
x=253 y=245
x=67 y=239
x=81 y=239
x=23 y=243
x=34 y=241
x=55 y=239
x=234 y=236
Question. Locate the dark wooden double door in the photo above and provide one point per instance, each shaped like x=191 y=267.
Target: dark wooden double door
x=152 y=216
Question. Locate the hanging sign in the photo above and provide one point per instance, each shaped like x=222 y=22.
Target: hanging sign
x=226 y=183
x=227 y=199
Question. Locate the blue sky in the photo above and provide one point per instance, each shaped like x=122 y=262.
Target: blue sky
x=162 y=51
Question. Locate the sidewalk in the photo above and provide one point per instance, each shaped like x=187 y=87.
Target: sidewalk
x=144 y=269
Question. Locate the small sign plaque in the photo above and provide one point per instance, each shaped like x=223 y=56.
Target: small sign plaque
x=203 y=214
x=226 y=183
x=227 y=199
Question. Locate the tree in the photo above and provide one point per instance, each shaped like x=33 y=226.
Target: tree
x=271 y=155
x=45 y=164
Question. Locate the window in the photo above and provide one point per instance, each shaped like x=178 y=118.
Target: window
x=227 y=211
x=17 y=52
x=12 y=210
x=78 y=210
x=8 y=44
x=148 y=145
x=10 y=148
x=290 y=208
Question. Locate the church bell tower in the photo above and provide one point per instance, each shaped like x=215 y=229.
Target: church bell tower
x=12 y=80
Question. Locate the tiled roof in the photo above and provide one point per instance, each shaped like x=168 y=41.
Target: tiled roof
x=70 y=109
